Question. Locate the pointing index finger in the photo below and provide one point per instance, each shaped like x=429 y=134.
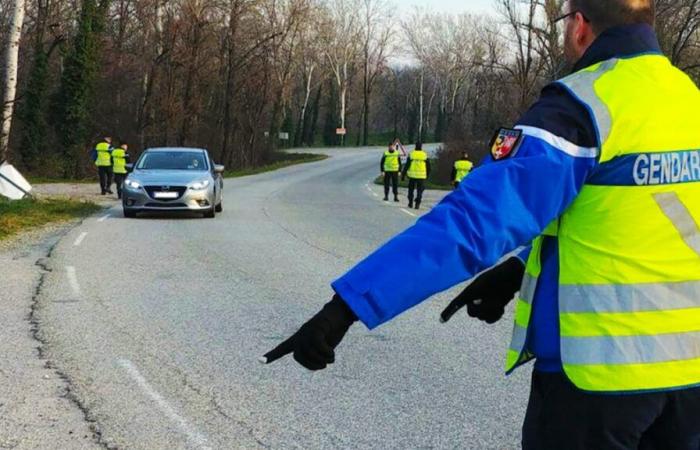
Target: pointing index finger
x=278 y=352
x=452 y=308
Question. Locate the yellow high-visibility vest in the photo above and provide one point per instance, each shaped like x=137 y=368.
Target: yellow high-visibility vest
x=391 y=161
x=462 y=169
x=119 y=161
x=103 y=155
x=418 y=169
x=629 y=245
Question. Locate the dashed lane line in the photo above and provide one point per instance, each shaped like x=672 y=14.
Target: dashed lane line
x=80 y=239
x=195 y=437
x=72 y=280
x=408 y=212
x=102 y=219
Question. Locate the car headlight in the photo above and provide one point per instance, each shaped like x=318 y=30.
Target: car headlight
x=199 y=185
x=132 y=184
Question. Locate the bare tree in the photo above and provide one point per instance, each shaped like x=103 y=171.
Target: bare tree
x=310 y=57
x=340 y=39
x=678 y=25
x=377 y=39
x=521 y=17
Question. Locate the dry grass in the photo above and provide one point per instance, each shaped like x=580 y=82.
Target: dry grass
x=21 y=215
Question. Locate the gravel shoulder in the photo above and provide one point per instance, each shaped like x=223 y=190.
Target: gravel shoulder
x=75 y=191
x=37 y=410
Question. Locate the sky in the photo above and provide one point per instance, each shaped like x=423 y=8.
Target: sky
x=451 y=6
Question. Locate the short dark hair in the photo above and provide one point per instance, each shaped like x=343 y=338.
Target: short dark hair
x=419 y=145
x=606 y=14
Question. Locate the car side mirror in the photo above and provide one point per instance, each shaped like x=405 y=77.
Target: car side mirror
x=129 y=168
x=218 y=168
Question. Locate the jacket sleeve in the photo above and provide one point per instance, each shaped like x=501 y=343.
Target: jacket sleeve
x=405 y=168
x=501 y=206
x=428 y=168
x=381 y=164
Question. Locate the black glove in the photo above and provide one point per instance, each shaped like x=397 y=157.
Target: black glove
x=487 y=297
x=315 y=342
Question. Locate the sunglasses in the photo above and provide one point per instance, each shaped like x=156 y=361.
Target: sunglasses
x=571 y=14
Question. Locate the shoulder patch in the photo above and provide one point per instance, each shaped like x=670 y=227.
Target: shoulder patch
x=505 y=143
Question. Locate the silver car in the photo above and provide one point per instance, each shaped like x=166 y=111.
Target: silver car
x=174 y=179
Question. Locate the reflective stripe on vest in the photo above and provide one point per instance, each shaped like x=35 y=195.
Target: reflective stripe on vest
x=418 y=169
x=629 y=245
x=391 y=162
x=103 y=155
x=119 y=161
x=462 y=169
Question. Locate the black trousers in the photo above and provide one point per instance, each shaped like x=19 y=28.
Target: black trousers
x=105 y=178
x=562 y=417
x=119 y=181
x=417 y=186
x=391 y=180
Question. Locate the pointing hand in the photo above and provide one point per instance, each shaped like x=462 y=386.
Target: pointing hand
x=314 y=344
x=487 y=297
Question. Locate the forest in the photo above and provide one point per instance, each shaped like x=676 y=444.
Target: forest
x=244 y=78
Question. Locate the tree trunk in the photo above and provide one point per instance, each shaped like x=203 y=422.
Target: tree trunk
x=8 y=103
x=365 y=100
x=343 y=102
x=420 y=108
x=304 y=108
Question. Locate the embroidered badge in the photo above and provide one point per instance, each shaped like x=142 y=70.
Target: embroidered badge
x=505 y=143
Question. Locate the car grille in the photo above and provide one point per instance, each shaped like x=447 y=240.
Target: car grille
x=180 y=190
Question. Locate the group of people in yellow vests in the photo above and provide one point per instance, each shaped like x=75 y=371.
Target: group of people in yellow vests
x=111 y=165
x=417 y=168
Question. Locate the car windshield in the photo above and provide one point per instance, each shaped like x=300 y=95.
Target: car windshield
x=172 y=161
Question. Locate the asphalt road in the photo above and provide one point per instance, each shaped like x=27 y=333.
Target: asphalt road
x=157 y=324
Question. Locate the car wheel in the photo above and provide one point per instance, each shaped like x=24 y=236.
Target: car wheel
x=129 y=214
x=210 y=213
x=219 y=208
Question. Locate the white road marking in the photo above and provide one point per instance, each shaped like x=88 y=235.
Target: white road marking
x=375 y=194
x=102 y=219
x=73 y=280
x=408 y=212
x=80 y=239
x=195 y=437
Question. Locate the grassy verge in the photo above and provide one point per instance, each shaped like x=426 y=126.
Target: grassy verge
x=21 y=215
x=280 y=161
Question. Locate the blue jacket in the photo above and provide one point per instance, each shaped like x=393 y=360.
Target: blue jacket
x=501 y=206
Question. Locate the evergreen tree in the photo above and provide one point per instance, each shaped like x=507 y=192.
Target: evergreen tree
x=330 y=138
x=311 y=127
x=33 y=109
x=288 y=127
x=73 y=103
x=440 y=124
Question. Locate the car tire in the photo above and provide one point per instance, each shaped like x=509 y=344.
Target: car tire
x=219 y=208
x=210 y=213
x=129 y=214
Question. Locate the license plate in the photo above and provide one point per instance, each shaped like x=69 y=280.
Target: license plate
x=166 y=195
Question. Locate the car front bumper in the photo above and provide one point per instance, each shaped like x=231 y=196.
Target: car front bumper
x=149 y=198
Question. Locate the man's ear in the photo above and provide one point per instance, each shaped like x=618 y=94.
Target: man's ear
x=584 y=32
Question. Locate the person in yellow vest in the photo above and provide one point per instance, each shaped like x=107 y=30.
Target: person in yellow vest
x=120 y=159
x=600 y=179
x=103 y=162
x=418 y=170
x=390 y=166
x=461 y=169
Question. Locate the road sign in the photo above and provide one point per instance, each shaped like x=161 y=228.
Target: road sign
x=341 y=131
